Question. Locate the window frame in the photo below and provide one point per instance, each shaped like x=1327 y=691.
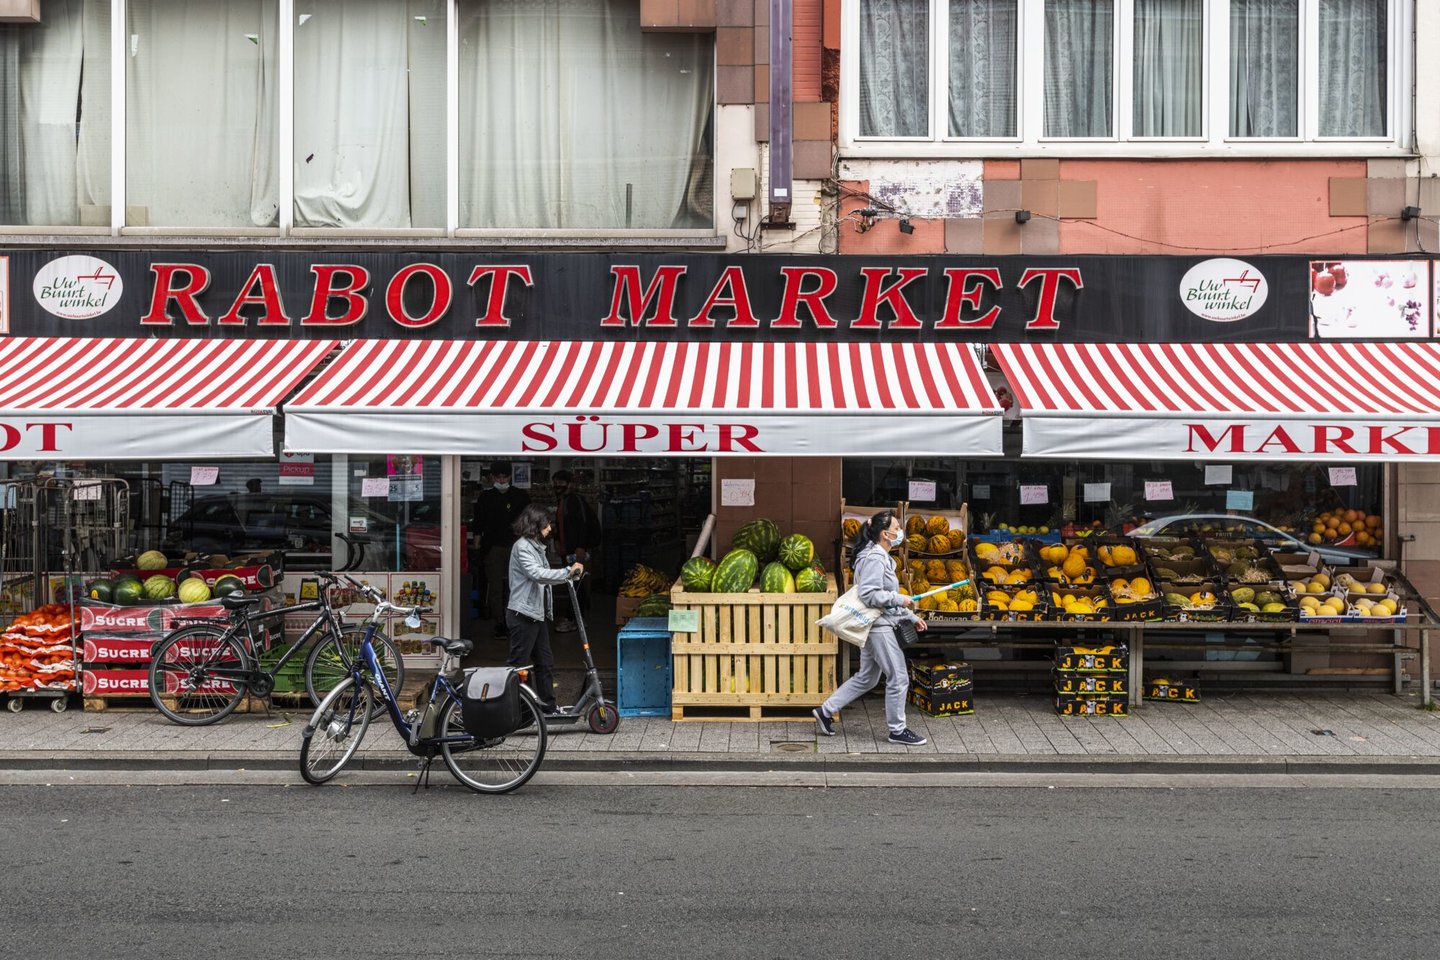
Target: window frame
x=284 y=152
x=1215 y=139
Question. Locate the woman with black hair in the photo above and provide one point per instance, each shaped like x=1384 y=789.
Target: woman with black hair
x=530 y=605
x=878 y=587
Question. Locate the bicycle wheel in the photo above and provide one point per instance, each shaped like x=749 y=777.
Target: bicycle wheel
x=499 y=765
x=335 y=730
x=325 y=667
x=198 y=675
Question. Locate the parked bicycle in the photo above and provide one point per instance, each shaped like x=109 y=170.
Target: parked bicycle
x=200 y=671
x=488 y=764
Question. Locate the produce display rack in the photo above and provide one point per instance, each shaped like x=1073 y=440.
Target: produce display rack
x=73 y=523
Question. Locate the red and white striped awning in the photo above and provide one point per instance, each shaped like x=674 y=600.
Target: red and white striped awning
x=644 y=398
x=1193 y=401
x=93 y=398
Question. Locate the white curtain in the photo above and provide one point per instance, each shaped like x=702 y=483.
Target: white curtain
x=1169 y=68
x=982 y=68
x=1352 y=68
x=1264 y=68
x=201 y=101
x=1079 y=67
x=370 y=113
x=572 y=118
x=895 y=68
x=55 y=116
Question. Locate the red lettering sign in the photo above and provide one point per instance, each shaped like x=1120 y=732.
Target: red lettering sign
x=877 y=294
x=960 y=293
x=268 y=296
x=168 y=286
x=440 y=292
x=329 y=286
x=813 y=300
x=494 y=315
x=737 y=298
x=660 y=292
x=1050 y=278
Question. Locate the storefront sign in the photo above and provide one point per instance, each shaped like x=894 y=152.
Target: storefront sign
x=508 y=434
x=297 y=469
x=406 y=475
x=1223 y=290
x=1371 y=299
x=77 y=287
x=623 y=296
x=142 y=436
x=4 y=295
x=1249 y=439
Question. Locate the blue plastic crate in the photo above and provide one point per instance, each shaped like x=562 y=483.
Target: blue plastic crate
x=643 y=668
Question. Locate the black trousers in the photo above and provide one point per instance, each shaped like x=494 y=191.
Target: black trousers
x=530 y=643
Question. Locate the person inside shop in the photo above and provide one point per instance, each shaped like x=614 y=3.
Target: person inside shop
x=496 y=510
x=878 y=587
x=530 y=604
x=577 y=534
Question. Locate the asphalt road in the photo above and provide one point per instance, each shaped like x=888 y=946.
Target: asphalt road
x=620 y=872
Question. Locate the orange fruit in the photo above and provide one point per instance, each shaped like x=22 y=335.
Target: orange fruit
x=1332 y=522
x=1344 y=529
x=1372 y=521
x=1318 y=528
x=1315 y=537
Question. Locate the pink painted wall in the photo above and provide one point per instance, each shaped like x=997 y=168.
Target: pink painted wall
x=885 y=237
x=1218 y=206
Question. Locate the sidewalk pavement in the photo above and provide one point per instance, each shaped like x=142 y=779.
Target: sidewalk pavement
x=1244 y=732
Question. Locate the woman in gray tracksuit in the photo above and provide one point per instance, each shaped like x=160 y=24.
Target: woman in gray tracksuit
x=878 y=587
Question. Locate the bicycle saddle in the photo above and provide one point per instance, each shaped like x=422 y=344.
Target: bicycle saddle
x=234 y=601
x=456 y=648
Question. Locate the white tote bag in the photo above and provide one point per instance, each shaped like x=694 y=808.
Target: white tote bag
x=849 y=619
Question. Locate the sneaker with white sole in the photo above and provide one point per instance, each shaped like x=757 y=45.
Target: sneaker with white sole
x=908 y=738
x=824 y=723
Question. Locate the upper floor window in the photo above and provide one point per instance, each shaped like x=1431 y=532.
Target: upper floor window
x=435 y=116
x=1237 y=75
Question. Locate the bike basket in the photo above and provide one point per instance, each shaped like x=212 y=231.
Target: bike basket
x=490 y=702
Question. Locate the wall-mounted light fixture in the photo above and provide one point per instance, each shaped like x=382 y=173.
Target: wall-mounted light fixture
x=1409 y=213
x=906 y=227
x=1022 y=216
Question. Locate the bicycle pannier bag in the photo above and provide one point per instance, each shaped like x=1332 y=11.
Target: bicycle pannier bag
x=490 y=702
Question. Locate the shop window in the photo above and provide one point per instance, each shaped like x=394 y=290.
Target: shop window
x=370 y=113
x=55 y=117
x=1238 y=76
x=201 y=125
x=572 y=118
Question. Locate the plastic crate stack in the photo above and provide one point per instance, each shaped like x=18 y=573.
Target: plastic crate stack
x=945 y=689
x=1092 y=681
x=37 y=653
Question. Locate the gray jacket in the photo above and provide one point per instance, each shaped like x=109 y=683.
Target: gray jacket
x=878 y=587
x=531 y=577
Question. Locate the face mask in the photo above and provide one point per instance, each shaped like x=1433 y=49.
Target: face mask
x=502 y=487
x=899 y=539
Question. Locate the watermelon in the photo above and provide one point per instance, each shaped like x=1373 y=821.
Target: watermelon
x=194 y=590
x=152 y=560
x=735 y=572
x=228 y=584
x=128 y=592
x=655 y=605
x=797 y=552
x=697 y=574
x=811 y=580
x=159 y=587
x=777 y=578
x=761 y=537
x=102 y=590
x=128 y=575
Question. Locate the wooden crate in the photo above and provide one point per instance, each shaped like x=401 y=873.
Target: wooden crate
x=757 y=656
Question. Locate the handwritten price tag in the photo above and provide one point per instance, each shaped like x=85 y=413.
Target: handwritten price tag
x=1218 y=474
x=204 y=476
x=1342 y=477
x=1097 y=493
x=1034 y=493
x=1159 y=490
x=922 y=491
x=375 y=487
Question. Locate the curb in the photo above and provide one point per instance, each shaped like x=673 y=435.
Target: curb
x=690 y=763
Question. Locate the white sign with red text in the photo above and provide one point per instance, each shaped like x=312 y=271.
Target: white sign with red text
x=670 y=433
x=1199 y=438
x=147 y=436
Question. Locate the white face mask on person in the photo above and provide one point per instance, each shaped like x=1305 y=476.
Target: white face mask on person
x=502 y=487
x=899 y=539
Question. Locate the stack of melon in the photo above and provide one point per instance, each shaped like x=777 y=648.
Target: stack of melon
x=758 y=551
x=150 y=586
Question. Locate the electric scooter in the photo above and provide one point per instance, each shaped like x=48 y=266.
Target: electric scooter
x=592 y=707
